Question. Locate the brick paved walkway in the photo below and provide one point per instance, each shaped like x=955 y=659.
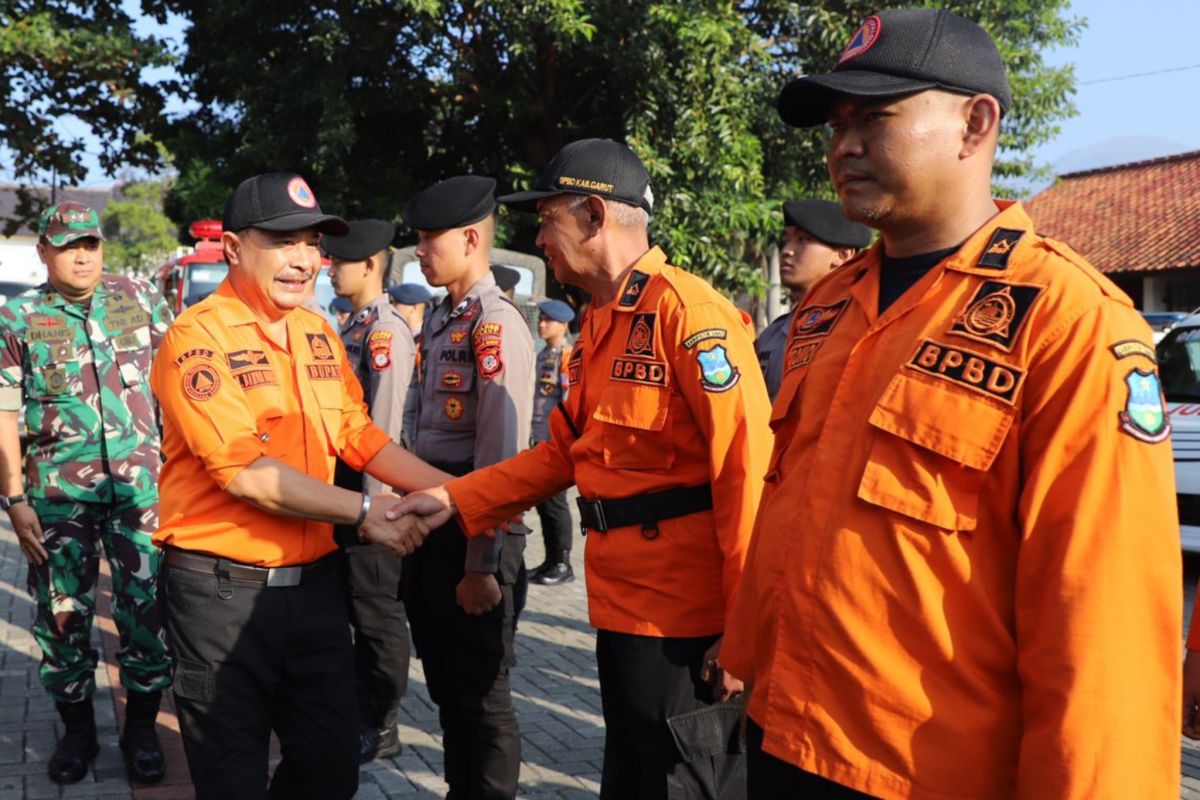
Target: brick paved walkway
x=556 y=688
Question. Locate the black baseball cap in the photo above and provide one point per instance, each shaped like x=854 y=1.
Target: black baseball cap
x=453 y=203
x=365 y=238
x=825 y=221
x=278 y=201
x=590 y=166
x=898 y=52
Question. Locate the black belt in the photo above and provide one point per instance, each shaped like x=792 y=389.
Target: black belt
x=272 y=577
x=646 y=510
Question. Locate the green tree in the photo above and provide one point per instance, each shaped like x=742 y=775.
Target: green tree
x=372 y=100
x=75 y=58
x=138 y=235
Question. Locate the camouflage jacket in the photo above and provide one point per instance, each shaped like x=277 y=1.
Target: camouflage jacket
x=82 y=372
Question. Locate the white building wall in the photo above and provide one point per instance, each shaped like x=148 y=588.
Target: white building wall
x=19 y=261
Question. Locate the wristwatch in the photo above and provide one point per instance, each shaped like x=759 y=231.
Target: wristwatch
x=8 y=502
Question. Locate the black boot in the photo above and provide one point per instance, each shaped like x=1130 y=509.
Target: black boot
x=555 y=574
x=144 y=760
x=78 y=745
x=378 y=743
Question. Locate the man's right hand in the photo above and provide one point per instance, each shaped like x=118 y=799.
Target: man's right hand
x=29 y=533
x=403 y=534
x=433 y=505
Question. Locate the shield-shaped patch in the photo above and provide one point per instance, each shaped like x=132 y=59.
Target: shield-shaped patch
x=716 y=373
x=1144 y=417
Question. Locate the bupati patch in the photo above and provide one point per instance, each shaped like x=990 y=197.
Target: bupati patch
x=201 y=382
x=1132 y=347
x=575 y=366
x=195 y=352
x=633 y=289
x=813 y=321
x=300 y=194
x=246 y=359
x=704 y=335
x=452 y=379
x=999 y=248
x=319 y=345
x=996 y=313
x=380 y=345
x=325 y=372
x=630 y=370
x=458 y=335
x=717 y=374
x=800 y=354
x=640 y=341
x=453 y=408
x=967 y=368
x=862 y=40
x=1144 y=417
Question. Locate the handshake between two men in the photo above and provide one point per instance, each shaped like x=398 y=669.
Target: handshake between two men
x=403 y=523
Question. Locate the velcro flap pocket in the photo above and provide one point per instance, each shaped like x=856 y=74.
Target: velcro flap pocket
x=932 y=451
x=635 y=433
x=643 y=407
x=707 y=732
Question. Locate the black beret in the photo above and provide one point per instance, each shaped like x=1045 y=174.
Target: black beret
x=452 y=203
x=342 y=305
x=409 y=294
x=506 y=277
x=366 y=238
x=825 y=221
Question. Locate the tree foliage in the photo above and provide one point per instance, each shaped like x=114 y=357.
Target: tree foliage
x=138 y=235
x=61 y=58
x=374 y=99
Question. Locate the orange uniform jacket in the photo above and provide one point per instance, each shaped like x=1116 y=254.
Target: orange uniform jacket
x=964 y=580
x=230 y=395
x=666 y=392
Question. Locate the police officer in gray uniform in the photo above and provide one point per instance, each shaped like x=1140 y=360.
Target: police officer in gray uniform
x=474 y=410
x=817 y=238
x=382 y=354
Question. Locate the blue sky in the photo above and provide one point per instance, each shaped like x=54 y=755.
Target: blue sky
x=1119 y=120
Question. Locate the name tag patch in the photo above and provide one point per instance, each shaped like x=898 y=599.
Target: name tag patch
x=968 y=368
x=325 y=372
x=800 y=354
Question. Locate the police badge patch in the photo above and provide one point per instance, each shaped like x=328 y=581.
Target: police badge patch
x=1144 y=417
x=716 y=373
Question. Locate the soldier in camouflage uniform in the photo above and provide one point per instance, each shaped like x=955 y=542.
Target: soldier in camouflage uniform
x=76 y=352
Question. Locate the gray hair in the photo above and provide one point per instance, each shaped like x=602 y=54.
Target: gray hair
x=626 y=216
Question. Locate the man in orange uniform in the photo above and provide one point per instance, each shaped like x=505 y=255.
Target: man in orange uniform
x=964 y=580
x=258 y=398
x=664 y=432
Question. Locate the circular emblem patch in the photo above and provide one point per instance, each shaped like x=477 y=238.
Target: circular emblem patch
x=489 y=363
x=453 y=408
x=56 y=381
x=862 y=40
x=300 y=194
x=201 y=382
x=991 y=315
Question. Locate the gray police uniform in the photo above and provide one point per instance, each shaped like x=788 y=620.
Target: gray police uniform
x=554 y=513
x=474 y=410
x=381 y=352
x=769 y=347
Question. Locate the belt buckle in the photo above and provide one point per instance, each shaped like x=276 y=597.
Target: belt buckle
x=278 y=577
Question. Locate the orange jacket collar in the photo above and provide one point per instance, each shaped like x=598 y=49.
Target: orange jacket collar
x=630 y=294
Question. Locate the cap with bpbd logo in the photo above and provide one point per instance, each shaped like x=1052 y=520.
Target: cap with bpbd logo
x=67 y=222
x=898 y=52
x=590 y=166
x=278 y=201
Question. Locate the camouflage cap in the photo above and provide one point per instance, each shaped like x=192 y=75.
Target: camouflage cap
x=66 y=222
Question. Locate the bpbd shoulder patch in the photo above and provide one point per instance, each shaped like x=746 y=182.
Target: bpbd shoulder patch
x=967 y=368
x=1144 y=417
x=633 y=289
x=996 y=313
x=999 y=248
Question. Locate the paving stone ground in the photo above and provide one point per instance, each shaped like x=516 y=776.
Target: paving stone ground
x=555 y=685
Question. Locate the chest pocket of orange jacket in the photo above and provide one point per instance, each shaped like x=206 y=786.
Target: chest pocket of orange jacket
x=330 y=401
x=635 y=427
x=932 y=451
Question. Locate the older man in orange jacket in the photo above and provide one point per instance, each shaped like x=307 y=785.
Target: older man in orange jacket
x=664 y=432
x=964 y=580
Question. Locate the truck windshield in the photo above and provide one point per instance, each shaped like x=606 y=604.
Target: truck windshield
x=1179 y=365
x=203 y=279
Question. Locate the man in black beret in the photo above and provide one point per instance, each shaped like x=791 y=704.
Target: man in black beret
x=817 y=238
x=475 y=407
x=382 y=356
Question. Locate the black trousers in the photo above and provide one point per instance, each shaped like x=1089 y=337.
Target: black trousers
x=664 y=735
x=557 y=528
x=381 y=647
x=466 y=660
x=252 y=659
x=768 y=778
